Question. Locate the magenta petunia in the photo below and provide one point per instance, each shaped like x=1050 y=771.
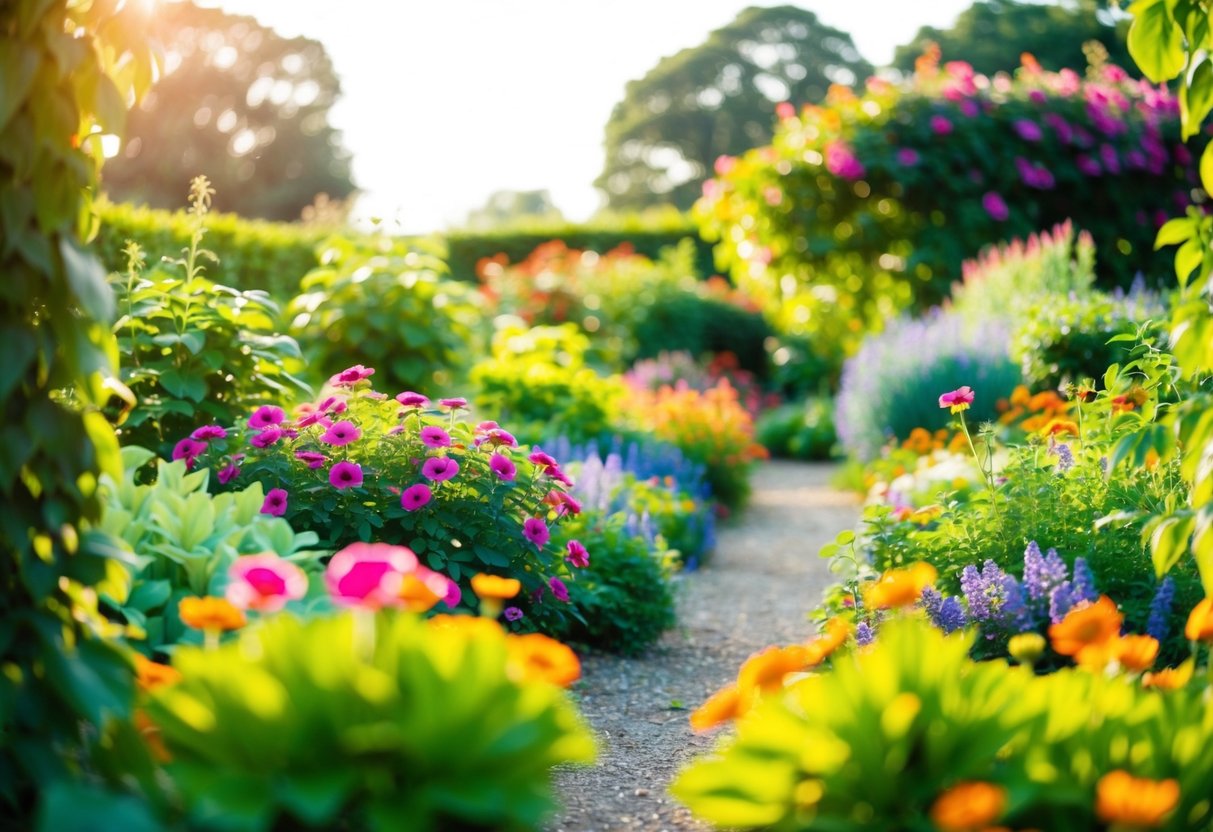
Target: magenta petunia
x=208 y=432
x=341 y=433
x=345 y=475
x=907 y=157
x=542 y=460
x=454 y=403
x=958 y=399
x=1028 y=130
x=497 y=436
x=228 y=473
x=316 y=418
x=355 y=575
x=351 y=376
x=487 y=426
x=536 y=531
x=264 y=582
x=940 y=125
x=266 y=438
x=567 y=504
x=503 y=467
x=313 y=459
x=512 y=613
x=189 y=450
x=275 y=502
x=266 y=416
x=560 y=476
x=439 y=468
x=577 y=556
x=433 y=436
x=453 y=594
x=415 y=496
x=410 y=399
x=559 y=589
x=995 y=206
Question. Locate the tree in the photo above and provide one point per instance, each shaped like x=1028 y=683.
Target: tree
x=717 y=99
x=241 y=104
x=505 y=208
x=992 y=34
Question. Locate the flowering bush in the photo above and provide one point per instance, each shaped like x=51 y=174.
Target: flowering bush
x=671 y=369
x=799 y=430
x=868 y=203
x=361 y=466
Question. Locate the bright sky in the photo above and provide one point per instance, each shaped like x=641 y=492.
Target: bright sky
x=446 y=101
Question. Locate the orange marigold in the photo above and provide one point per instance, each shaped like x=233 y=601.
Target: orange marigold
x=764 y=672
x=1134 y=801
x=968 y=806
x=837 y=630
x=210 y=613
x=535 y=657
x=1169 y=678
x=1086 y=626
x=722 y=706
x=901 y=587
x=150 y=675
x=1200 y=622
x=1136 y=653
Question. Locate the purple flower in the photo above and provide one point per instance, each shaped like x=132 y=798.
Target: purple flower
x=353 y=374
x=266 y=438
x=559 y=589
x=266 y=416
x=842 y=162
x=410 y=399
x=512 y=614
x=503 y=467
x=864 y=634
x=1029 y=131
x=455 y=403
x=313 y=459
x=542 y=460
x=1034 y=174
x=189 y=450
x=433 y=436
x=577 y=556
x=992 y=595
x=345 y=475
x=334 y=404
x=415 y=496
x=1111 y=161
x=940 y=125
x=536 y=531
x=439 y=468
x=945 y=613
x=1042 y=573
x=995 y=206
x=275 y=502
x=1159 y=622
x=1065 y=457
x=1082 y=586
x=341 y=433
x=207 y=432
x=1087 y=166
x=228 y=473
x=907 y=157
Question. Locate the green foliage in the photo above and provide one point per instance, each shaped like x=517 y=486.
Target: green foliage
x=717 y=98
x=241 y=103
x=537 y=382
x=327 y=724
x=249 y=254
x=194 y=351
x=66 y=72
x=799 y=430
x=874 y=742
x=507 y=209
x=991 y=35
x=624 y=596
x=181 y=541
x=390 y=308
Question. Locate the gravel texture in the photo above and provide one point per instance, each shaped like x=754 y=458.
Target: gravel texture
x=755 y=591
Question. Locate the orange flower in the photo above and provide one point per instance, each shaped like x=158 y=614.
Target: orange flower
x=1136 y=653
x=1047 y=402
x=1134 y=801
x=1060 y=426
x=763 y=672
x=1086 y=626
x=721 y=707
x=150 y=675
x=901 y=587
x=1200 y=622
x=927 y=514
x=418 y=596
x=1169 y=678
x=837 y=631
x=968 y=806
x=1020 y=396
x=210 y=614
x=535 y=657
x=475 y=626
x=495 y=586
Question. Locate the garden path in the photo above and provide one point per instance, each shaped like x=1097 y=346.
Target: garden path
x=755 y=591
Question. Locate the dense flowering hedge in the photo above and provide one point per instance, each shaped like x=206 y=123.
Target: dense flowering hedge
x=869 y=203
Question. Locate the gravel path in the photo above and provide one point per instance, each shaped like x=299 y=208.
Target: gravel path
x=755 y=591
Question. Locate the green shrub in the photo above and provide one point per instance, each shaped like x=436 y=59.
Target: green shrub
x=701 y=323
x=799 y=430
x=324 y=725
x=388 y=308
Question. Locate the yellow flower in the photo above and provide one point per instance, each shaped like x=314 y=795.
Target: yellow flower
x=1134 y=801
x=495 y=586
x=968 y=806
x=210 y=614
x=1169 y=678
x=535 y=657
x=1027 y=647
x=721 y=707
x=901 y=587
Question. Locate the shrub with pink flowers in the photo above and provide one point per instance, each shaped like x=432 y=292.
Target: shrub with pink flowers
x=870 y=203
x=360 y=465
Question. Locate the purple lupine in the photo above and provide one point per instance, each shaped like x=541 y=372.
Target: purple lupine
x=1042 y=573
x=864 y=634
x=945 y=613
x=987 y=592
x=1159 y=623
x=1082 y=585
x=1065 y=457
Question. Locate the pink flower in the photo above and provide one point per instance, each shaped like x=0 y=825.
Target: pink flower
x=433 y=436
x=264 y=582
x=560 y=476
x=568 y=504
x=995 y=206
x=313 y=459
x=351 y=376
x=345 y=475
x=907 y=157
x=497 y=436
x=228 y=473
x=536 y=531
x=439 y=468
x=275 y=502
x=487 y=427
x=316 y=418
x=336 y=404
x=1029 y=131
x=940 y=125
x=266 y=416
x=503 y=467
x=455 y=403
x=453 y=594
x=189 y=450
x=842 y=161
x=785 y=109
x=341 y=433
x=410 y=399
x=207 y=432
x=266 y=438
x=542 y=460
x=577 y=556
x=724 y=164
x=512 y=613
x=355 y=575
x=559 y=589
x=958 y=400
x=415 y=496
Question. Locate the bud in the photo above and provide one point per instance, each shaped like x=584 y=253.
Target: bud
x=1026 y=648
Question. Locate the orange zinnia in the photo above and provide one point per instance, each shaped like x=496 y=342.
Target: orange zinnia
x=495 y=586
x=1059 y=426
x=722 y=706
x=1200 y=622
x=837 y=630
x=1169 y=678
x=968 y=806
x=1134 y=801
x=535 y=657
x=1086 y=626
x=150 y=675
x=763 y=672
x=901 y=587
x=1136 y=653
x=417 y=595
x=210 y=613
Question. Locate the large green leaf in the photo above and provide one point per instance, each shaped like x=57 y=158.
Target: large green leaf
x=1156 y=41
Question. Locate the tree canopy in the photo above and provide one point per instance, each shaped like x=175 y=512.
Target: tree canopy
x=242 y=104
x=717 y=99
x=504 y=208
x=992 y=34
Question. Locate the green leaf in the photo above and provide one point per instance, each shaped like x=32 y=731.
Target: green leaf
x=76 y=807
x=183 y=386
x=87 y=279
x=18 y=65
x=1206 y=168
x=1197 y=99
x=1175 y=231
x=1156 y=41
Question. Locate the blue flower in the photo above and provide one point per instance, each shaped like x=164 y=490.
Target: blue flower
x=1159 y=622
